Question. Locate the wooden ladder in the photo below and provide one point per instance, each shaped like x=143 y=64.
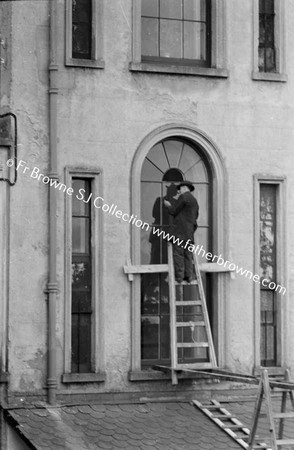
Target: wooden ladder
x=200 y=337
x=266 y=388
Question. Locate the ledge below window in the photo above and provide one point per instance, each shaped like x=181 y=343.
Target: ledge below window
x=178 y=70
x=86 y=63
x=83 y=377
x=154 y=375
x=264 y=76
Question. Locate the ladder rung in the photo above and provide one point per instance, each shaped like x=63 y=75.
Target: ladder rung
x=222 y=416
x=235 y=427
x=194 y=344
x=189 y=303
x=286 y=415
x=185 y=283
x=191 y=324
x=285 y=441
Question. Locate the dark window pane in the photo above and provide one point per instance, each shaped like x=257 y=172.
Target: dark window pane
x=81 y=302
x=150 y=294
x=81 y=275
x=81 y=343
x=266 y=49
x=81 y=28
x=149 y=8
x=149 y=337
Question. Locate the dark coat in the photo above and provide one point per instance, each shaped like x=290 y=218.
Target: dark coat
x=185 y=213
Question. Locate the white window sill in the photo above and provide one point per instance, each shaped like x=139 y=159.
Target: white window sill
x=83 y=377
x=86 y=63
x=178 y=70
x=264 y=76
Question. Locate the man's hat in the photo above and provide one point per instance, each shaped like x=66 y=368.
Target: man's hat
x=188 y=184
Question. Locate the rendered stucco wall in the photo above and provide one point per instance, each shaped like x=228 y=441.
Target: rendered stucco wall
x=103 y=116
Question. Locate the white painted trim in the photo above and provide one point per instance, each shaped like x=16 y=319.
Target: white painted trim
x=219 y=195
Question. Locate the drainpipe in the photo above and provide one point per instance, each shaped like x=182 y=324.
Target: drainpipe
x=52 y=287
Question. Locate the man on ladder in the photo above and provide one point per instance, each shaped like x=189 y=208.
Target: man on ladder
x=185 y=212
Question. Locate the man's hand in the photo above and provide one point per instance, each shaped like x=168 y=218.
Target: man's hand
x=167 y=203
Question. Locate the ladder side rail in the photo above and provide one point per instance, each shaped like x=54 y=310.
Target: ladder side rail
x=284 y=404
x=205 y=312
x=256 y=414
x=173 y=317
x=268 y=401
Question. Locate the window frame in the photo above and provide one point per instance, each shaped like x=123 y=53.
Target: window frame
x=219 y=244
x=281 y=266
x=97 y=357
x=96 y=61
x=218 y=56
x=280 y=74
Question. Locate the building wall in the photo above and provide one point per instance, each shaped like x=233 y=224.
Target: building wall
x=103 y=116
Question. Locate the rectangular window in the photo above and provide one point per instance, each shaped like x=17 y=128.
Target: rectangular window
x=176 y=30
x=268 y=272
x=82 y=29
x=270 y=264
x=84 y=37
x=81 y=303
x=266 y=47
x=269 y=40
x=84 y=328
x=179 y=36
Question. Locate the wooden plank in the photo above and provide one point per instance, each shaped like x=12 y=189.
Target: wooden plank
x=285 y=442
x=173 y=317
x=189 y=303
x=286 y=415
x=146 y=268
x=213 y=267
x=212 y=355
x=200 y=323
x=191 y=345
x=193 y=367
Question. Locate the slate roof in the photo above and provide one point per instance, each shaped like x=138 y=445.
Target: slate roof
x=138 y=426
x=160 y=426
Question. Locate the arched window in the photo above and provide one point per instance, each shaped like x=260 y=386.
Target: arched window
x=169 y=162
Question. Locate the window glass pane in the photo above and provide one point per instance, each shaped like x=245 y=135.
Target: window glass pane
x=201 y=194
x=188 y=158
x=81 y=343
x=171 y=9
x=149 y=37
x=81 y=302
x=170 y=38
x=151 y=203
x=80 y=235
x=149 y=339
x=194 y=40
x=269 y=6
x=81 y=275
x=149 y=8
x=197 y=172
x=82 y=190
x=165 y=337
x=173 y=151
x=150 y=293
x=158 y=157
x=195 y=10
x=267 y=231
